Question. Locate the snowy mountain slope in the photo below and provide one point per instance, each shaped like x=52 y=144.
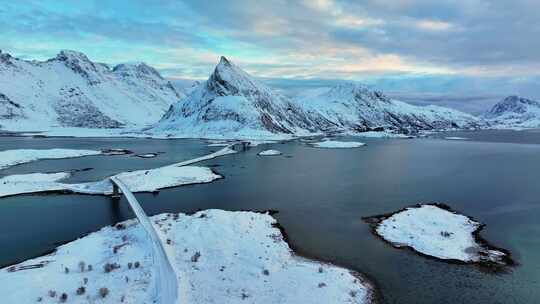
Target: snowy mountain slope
x=232 y=103
x=354 y=107
x=514 y=111
x=69 y=90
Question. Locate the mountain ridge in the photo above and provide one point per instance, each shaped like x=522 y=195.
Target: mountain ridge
x=514 y=111
x=221 y=105
x=70 y=90
x=231 y=101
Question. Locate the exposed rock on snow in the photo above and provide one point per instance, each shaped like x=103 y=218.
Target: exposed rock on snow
x=232 y=104
x=514 y=111
x=354 y=107
x=269 y=153
x=436 y=231
x=72 y=91
x=338 y=144
x=220 y=257
x=10 y=158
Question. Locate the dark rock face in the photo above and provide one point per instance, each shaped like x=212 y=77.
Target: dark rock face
x=356 y=108
x=75 y=110
x=348 y=107
x=138 y=70
x=232 y=97
x=80 y=64
x=8 y=108
x=514 y=111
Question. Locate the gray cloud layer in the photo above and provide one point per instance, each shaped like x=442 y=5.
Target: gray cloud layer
x=470 y=45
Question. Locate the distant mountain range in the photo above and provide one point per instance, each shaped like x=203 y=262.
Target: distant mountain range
x=69 y=90
x=231 y=102
x=514 y=111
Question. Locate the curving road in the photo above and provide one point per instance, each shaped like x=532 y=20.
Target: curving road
x=166 y=283
x=165 y=289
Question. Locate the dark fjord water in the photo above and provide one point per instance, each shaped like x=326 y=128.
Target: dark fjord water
x=321 y=196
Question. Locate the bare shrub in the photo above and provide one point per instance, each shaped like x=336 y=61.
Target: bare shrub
x=82 y=266
x=80 y=291
x=195 y=257
x=446 y=234
x=110 y=267
x=103 y=292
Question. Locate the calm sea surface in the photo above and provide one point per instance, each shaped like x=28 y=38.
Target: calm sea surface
x=321 y=196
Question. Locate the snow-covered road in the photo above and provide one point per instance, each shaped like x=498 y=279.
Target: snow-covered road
x=165 y=284
x=165 y=288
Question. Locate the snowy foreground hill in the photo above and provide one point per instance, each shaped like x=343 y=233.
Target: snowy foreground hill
x=233 y=103
x=69 y=90
x=514 y=111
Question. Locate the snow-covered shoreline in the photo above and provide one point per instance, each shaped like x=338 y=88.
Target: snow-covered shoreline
x=219 y=256
x=9 y=158
x=435 y=230
x=151 y=180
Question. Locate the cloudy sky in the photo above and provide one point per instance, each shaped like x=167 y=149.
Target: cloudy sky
x=446 y=47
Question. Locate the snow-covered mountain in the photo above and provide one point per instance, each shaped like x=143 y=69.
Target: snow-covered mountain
x=69 y=90
x=352 y=106
x=515 y=111
x=232 y=103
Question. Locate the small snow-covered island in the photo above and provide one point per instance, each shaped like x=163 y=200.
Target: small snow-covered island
x=434 y=230
x=334 y=144
x=270 y=152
